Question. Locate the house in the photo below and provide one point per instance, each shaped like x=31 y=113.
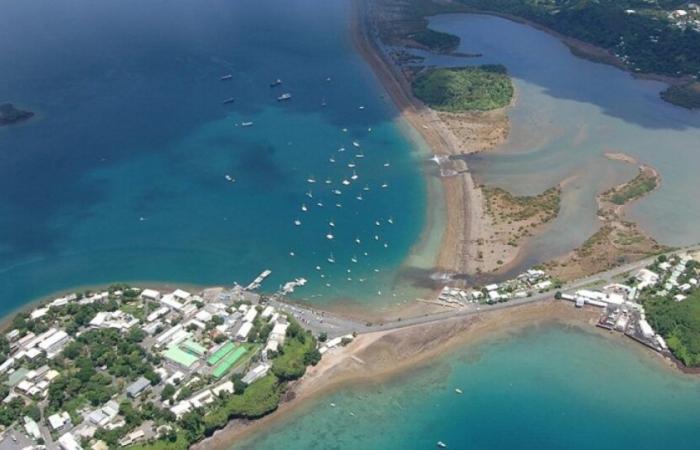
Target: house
x=256 y=373
x=68 y=442
x=150 y=294
x=138 y=387
x=243 y=332
x=59 y=421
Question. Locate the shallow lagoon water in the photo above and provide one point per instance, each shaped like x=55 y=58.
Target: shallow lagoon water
x=568 y=113
x=550 y=387
x=121 y=176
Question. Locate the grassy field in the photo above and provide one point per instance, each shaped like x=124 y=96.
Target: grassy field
x=461 y=89
x=641 y=185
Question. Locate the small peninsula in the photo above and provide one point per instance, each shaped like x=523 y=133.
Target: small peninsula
x=10 y=115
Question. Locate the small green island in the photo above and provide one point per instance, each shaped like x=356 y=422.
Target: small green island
x=462 y=89
x=10 y=115
x=435 y=41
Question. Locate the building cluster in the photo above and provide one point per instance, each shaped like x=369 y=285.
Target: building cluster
x=673 y=278
x=523 y=286
x=200 y=340
x=687 y=18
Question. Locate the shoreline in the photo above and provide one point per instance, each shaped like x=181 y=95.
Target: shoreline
x=462 y=199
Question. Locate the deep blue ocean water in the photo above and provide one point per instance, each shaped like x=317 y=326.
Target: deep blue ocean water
x=121 y=176
x=549 y=387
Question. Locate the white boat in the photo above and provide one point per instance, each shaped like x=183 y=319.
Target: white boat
x=331 y=160
x=366 y=188
x=357 y=240
x=339 y=205
x=329 y=236
x=459 y=391
x=341 y=149
x=351 y=164
x=304 y=208
x=359 y=197
x=355 y=143
x=328 y=181
x=360 y=107
x=353 y=259
x=376 y=222
x=228 y=76
x=229 y=100
x=386 y=164
x=337 y=192
x=309 y=194
x=386 y=245
x=297 y=222
x=318 y=267
x=345 y=130
x=283 y=97
x=229 y=178
x=311 y=180
x=376 y=238
x=275 y=83
x=360 y=155
x=331 y=259
x=331 y=223
x=354 y=176
x=385 y=185
x=441 y=444
x=291 y=253
x=246 y=124
x=346 y=182
x=390 y=220
x=320 y=204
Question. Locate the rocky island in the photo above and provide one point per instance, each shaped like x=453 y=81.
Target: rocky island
x=10 y=115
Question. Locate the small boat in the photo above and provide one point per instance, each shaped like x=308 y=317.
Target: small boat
x=297 y=222
x=331 y=160
x=385 y=185
x=357 y=240
x=284 y=97
x=344 y=130
x=354 y=176
x=386 y=245
x=329 y=236
x=275 y=83
x=328 y=181
x=226 y=77
x=331 y=259
x=386 y=164
x=291 y=253
x=361 y=107
x=459 y=391
x=229 y=100
x=346 y=182
x=304 y=208
x=320 y=204
x=353 y=259
x=441 y=444
x=359 y=197
x=366 y=188
x=376 y=222
x=339 y=205
x=246 y=124
x=323 y=103
x=360 y=155
x=355 y=143
x=341 y=149
x=390 y=220
x=309 y=194
x=229 y=178
x=351 y=164
x=311 y=180
x=337 y=192
x=331 y=223
x=376 y=238
x=318 y=267
x=328 y=79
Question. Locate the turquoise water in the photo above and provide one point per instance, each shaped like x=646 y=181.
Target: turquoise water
x=568 y=113
x=545 y=388
x=121 y=177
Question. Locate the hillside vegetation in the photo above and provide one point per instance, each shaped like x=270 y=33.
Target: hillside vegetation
x=461 y=89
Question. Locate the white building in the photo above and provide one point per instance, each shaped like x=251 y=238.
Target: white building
x=150 y=294
x=243 y=332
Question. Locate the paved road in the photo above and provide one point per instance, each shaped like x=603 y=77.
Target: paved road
x=335 y=325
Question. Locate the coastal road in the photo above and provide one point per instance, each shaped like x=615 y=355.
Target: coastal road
x=334 y=325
